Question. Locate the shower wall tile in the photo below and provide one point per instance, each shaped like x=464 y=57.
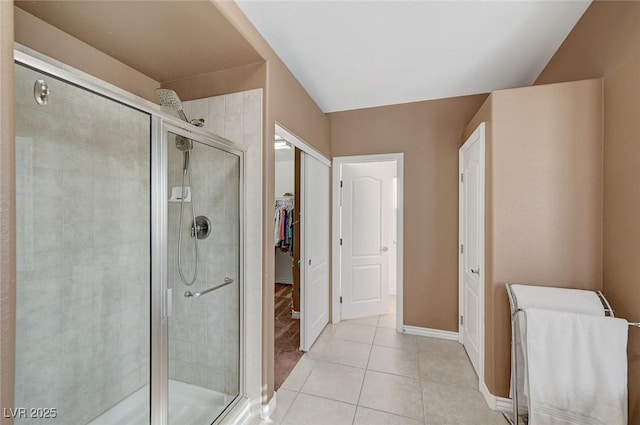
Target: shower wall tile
x=214 y=121
x=83 y=244
x=233 y=118
x=198 y=109
x=252 y=118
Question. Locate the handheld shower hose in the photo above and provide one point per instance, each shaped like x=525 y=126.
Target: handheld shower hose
x=170 y=99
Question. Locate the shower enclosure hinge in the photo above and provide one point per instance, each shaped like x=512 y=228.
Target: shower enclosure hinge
x=340 y=183
x=461 y=178
x=309 y=261
x=462 y=320
x=340 y=299
x=340 y=241
x=461 y=249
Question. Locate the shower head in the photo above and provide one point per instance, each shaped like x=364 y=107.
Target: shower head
x=170 y=99
x=184 y=144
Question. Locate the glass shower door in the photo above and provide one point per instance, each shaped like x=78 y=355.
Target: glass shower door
x=83 y=256
x=204 y=276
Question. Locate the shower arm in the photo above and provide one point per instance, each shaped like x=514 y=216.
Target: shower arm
x=183 y=117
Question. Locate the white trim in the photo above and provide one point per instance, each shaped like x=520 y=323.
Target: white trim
x=267 y=409
x=296 y=141
x=336 y=176
x=477 y=136
x=240 y=415
x=295 y=315
x=284 y=280
x=432 y=333
x=301 y=247
x=338 y=161
x=392 y=292
x=494 y=402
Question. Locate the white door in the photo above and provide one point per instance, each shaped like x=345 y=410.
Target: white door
x=314 y=313
x=472 y=246
x=367 y=230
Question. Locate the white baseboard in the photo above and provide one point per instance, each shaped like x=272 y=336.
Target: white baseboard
x=494 y=402
x=284 y=280
x=267 y=409
x=433 y=333
x=295 y=314
x=240 y=414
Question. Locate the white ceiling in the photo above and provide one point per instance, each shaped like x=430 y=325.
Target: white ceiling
x=358 y=54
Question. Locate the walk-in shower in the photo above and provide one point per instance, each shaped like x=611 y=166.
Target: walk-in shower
x=103 y=263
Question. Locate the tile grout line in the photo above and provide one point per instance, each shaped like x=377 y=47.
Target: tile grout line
x=424 y=408
x=392 y=414
x=288 y=410
x=328 y=399
x=365 y=374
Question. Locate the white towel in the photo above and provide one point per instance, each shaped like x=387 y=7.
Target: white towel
x=551 y=298
x=577 y=367
x=570 y=300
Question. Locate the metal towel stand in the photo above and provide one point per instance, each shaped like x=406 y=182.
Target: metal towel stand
x=515 y=310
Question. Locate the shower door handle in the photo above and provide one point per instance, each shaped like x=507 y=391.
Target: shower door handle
x=189 y=294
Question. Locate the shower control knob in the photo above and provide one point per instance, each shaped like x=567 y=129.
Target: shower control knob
x=201 y=228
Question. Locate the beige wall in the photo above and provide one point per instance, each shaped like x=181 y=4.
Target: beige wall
x=232 y=80
x=428 y=133
x=622 y=210
x=606 y=37
x=7 y=212
x=38 y=35
x=544 y=199
x=604 y=43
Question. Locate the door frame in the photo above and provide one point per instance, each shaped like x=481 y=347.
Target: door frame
x=296 y=141
x=478 y=136
x=338 y=162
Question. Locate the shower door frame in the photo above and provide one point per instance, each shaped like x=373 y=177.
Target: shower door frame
x=160 y=299
x=161 y=123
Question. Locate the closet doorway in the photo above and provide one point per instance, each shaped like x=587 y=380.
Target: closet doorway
x=301 y=242
x=287 y=257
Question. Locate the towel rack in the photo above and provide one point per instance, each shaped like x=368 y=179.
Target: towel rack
x=515 y=309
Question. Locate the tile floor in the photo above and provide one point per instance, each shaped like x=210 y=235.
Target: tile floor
x=361 y=372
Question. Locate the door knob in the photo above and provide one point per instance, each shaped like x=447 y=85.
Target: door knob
x=385 y=249
x=475 y=271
